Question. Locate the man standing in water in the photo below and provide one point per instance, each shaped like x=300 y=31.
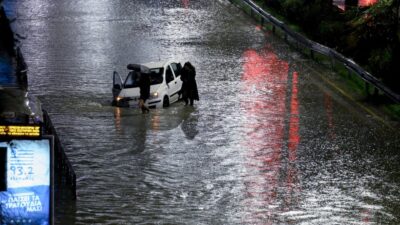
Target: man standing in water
x=144 y=85
x=189 y=85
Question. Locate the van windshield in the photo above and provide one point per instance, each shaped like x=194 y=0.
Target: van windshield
x=133 y=78
x=156 y=75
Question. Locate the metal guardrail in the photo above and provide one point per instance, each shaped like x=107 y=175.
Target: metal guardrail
x=62 y=165
x=324 y=50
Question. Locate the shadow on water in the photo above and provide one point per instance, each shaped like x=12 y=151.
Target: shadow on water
x=189 y=125
x=130 y=121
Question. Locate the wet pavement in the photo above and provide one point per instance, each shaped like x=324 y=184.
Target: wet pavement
x=269 y=142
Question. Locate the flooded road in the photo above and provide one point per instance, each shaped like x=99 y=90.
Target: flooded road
x=268 y=143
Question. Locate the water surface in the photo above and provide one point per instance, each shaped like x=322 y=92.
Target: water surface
x=268 y=142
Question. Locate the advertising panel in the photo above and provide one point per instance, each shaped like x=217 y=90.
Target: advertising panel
x=26 y=195
x=20 y=131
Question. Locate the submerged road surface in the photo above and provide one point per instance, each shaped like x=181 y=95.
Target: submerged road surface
x=268 y=143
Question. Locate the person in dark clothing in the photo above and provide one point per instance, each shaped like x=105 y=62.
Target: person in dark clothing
x=184 y=79
x=189 y=86
x=144 y=86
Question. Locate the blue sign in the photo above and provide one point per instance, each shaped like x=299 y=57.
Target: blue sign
x=27 y=198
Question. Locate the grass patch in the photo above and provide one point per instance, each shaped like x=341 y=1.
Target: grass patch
x=393 y=110
x=353 y=81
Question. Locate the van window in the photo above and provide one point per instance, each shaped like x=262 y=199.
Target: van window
x=156 y=76
x=132 y=80
x=177 y=69
x=169 y=75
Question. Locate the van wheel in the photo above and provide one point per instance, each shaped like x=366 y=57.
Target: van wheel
x=165 y=102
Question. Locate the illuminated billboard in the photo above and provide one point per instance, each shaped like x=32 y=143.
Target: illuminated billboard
x=20 y=130
x=26 y=190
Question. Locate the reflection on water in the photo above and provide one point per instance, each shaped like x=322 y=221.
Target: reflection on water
x=293 y=185
x=265 y=85
x=185 y=3
x=294 y=137
x=131 y=120
x=267 y=144
x=189 y=125
x=329 y=115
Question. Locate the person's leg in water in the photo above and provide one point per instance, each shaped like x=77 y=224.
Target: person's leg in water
x=191 y=101
x=185 y=97
x=143 y=107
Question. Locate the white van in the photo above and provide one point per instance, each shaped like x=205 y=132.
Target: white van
x=164 y=89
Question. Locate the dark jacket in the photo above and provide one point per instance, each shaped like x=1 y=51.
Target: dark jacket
x=144 y=85
x=193 y=93
x=189 y=84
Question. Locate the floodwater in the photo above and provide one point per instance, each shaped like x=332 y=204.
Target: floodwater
x=269 y=142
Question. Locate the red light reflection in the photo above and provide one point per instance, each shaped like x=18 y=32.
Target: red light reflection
x=265 y=83
x=329 y=114
x=185 y=4
x=265 y=77
x=294 y=137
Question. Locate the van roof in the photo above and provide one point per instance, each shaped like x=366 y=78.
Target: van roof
x=155 y=64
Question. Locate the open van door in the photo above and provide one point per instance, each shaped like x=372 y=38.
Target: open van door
x=177 y=67
x=117 y=84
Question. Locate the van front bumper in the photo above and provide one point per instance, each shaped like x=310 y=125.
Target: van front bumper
x=134 y=103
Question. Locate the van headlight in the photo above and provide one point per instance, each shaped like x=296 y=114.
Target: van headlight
x=121 y=101
x=119 y=98
x=153 y=95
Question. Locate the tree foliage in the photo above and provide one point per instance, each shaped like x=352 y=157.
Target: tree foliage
x=371 y=36
x=373 y=40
